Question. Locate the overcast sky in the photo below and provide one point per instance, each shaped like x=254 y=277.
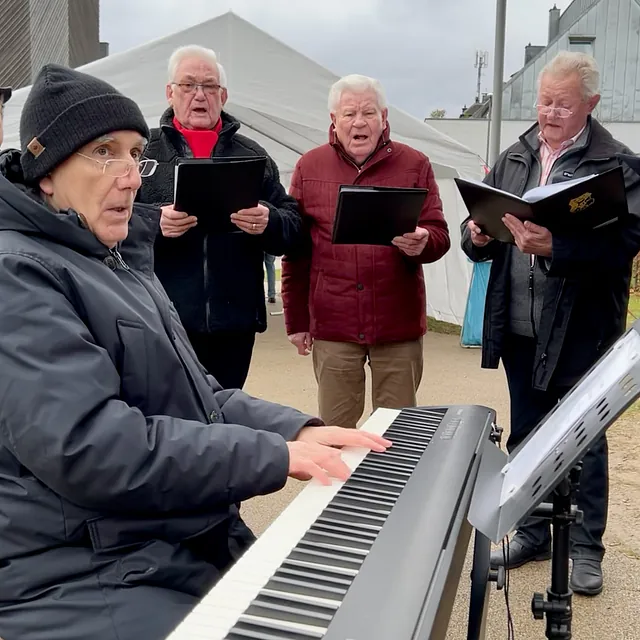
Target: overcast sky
x=422 y=50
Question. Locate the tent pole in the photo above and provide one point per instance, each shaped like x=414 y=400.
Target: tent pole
x=498 y=79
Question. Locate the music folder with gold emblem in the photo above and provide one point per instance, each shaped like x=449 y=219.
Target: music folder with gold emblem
x=565 y=208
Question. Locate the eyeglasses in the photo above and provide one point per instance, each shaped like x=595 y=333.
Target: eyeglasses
x=122 y=168
x=559 y=112
x=191 y=87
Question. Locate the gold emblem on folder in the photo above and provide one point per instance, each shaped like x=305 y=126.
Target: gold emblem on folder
x=581 y=202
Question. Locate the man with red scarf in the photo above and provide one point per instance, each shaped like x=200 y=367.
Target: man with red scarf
x=215 y=281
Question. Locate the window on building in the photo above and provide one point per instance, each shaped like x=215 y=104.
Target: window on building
x=582 y=45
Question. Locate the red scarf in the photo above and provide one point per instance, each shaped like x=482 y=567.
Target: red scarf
x=202 y=141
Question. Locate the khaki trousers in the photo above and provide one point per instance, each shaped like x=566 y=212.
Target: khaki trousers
x=396 y=371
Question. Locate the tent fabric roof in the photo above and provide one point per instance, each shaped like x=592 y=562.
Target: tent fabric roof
x=278 y=94
x=280 y=97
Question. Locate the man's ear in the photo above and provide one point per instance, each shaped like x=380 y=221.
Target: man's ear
x=224 y=96
x=385 y=114
x=46 y=185
x=593 y=102
x=333 y=119
x=169 y=93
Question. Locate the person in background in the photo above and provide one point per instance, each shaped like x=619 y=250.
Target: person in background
x=5 y=95
x=555 y=304
x=9 y=158
x=215 y=281
x=353 y=304
x=270 y=267
x=122 y=462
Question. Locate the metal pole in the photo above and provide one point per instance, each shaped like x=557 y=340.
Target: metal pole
x=498 y=78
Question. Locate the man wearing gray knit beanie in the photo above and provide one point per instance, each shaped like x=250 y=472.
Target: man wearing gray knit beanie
x=122 y=463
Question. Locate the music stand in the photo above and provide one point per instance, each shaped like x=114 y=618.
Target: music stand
x=510 y=487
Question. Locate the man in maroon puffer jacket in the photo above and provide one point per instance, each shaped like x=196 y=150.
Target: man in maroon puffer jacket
x=360 y=303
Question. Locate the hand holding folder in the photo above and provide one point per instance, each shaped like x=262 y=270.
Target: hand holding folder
x=213 y=188
x=376 y=215
x=564 y=208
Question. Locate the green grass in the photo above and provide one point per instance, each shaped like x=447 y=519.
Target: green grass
x=634 y=308
x=438 y=326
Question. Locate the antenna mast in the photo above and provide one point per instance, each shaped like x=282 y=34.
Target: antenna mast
x=482 y=60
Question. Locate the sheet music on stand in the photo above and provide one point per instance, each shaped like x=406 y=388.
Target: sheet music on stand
x=510 y=487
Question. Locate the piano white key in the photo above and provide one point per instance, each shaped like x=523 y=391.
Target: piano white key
x=220 y=609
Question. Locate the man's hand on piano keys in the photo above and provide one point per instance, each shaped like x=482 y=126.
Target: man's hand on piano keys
x=316 y=452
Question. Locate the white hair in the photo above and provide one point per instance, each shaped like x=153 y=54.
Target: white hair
x=195 y=51
x=573 y=62
x=355 y=84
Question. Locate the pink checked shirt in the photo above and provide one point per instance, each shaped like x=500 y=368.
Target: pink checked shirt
x=548 y=156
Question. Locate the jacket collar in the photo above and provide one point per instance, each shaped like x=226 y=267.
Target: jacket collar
x=22 y=210
x=596 y=140
x=230 y=127
x=384 y=142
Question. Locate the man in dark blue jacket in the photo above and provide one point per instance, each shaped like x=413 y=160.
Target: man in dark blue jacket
x=122 y=463
x=215 y=281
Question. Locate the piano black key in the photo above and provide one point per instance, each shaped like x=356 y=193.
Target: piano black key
x=314 y=587
x=402 y=432
x=397 y=456
x=369 y=495
x=362 y=502
x=369 y=475
x=417 y=441
x=292 y=608
x=361 y=508
x=388 y=456
x=329 y=524
x=351 y=532
x=416 y=450
x=373 y=483
x=348 y=515
x=333 y=520
x=332 y=576
x=324 y=571
x=389 y=472
x=315 y=535
x=334 y=548
x=268 y=630
x=325 y=558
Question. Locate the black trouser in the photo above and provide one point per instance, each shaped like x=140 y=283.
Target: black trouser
x=226 y=355
x=528 y=407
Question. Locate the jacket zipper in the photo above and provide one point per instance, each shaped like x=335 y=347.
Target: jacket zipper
x=119 y=259
x=532 y=314
x=205 y=263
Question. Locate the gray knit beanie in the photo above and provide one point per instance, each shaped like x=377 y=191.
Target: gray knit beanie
x=65 y=110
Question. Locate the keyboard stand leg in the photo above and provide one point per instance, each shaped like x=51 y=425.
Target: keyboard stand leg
x=481 y=578
x=441 y=623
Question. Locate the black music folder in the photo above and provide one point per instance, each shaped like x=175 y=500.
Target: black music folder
x=565 y=208
x=376 y=215
x=213 y=188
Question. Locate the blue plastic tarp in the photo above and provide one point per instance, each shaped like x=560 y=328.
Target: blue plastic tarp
x=471 y=335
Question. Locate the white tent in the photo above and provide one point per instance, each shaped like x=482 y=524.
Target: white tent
x=280 y=97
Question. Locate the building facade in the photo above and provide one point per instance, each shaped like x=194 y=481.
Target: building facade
x=609 y=30
x=36 y=32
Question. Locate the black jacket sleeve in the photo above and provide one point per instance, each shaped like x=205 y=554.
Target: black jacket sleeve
x=285 y=230
x=481 y=254
x=63 y=420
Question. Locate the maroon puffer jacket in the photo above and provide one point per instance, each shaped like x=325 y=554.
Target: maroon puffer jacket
x=359 y=293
